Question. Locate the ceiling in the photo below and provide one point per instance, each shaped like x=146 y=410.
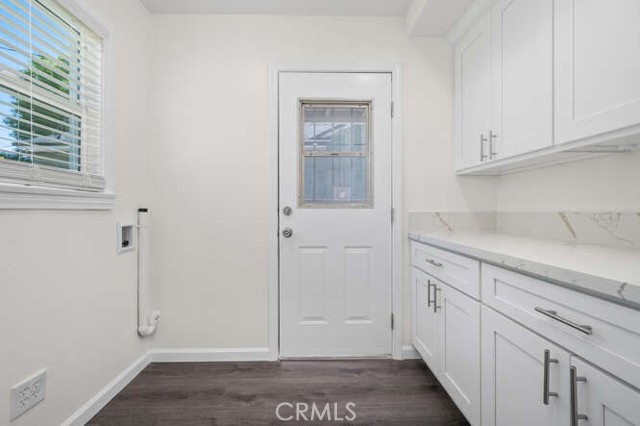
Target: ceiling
x=283 y=7
x=422 y=17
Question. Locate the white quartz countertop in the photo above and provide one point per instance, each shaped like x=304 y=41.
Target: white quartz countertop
x=609 y=273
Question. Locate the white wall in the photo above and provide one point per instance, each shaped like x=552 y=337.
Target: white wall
x=67 y=301
x=211 y=155
x=610 y=183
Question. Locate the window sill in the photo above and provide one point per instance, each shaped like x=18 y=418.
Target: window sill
x=24 y=197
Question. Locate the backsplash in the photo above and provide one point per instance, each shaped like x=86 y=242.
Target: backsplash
x=452 y=221
x=612 y=229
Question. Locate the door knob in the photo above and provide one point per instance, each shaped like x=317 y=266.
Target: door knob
x=287 y=211
x=287 y=232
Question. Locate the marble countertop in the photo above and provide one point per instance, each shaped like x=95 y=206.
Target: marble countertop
x=608 y=273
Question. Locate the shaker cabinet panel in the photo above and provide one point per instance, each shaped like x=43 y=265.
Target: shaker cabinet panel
x=598 y=64
x=517 y=388
x=424 y=319
x=460 y=350
x=603 y=400
x=473 y=80
x=522 y=77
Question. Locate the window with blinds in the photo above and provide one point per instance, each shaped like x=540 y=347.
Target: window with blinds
x=50 y=97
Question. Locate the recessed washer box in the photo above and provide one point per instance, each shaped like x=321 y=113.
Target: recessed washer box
x=126 y=237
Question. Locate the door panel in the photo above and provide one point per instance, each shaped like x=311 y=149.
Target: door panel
x=358 y=273
x=460 y=359
x=598 y=63
x=312 y=276
x=603 y=399
x=522 y=74
x=473 y=81
x=335 y=176
x=513 y=376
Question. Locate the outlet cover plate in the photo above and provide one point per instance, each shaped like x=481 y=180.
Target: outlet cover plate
x=27 y=394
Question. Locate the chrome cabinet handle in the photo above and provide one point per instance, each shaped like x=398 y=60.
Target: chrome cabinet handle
x=573 y=385
x=429 y=293
x=586 y=329
x=433 y=262
x=492 y=137
x=483 y=156
x=435 y=299
x=545 y=385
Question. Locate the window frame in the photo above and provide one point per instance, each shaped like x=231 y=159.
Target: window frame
x=368 y=154
x=49 y=195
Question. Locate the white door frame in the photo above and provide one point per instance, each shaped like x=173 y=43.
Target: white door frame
x=274 y=214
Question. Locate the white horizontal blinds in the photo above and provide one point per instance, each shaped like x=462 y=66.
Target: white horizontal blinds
x=50 y=96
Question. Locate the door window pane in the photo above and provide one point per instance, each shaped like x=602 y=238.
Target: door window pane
x=341 y=129
x=335 y=155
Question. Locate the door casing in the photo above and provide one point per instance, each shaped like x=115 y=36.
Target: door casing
x=274 y=216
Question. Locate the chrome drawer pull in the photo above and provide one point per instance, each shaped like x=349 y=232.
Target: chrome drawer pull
x=433 y=262
x=435 y=299
x=492 y=153
x=545 y=385
x=586 y=329
x=429 y=293
x=573 y=385
x=483 y=156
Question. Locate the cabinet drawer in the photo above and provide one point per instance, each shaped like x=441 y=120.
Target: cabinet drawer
x=604 y=333
x=458 y=271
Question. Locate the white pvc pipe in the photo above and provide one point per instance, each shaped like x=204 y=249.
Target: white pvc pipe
x=147 y=319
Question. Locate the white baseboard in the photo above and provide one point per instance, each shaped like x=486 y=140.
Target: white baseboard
x=211 y=355
x=409 y=352
x=107 y=393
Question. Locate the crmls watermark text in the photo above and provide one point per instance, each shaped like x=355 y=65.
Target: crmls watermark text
x=301 y=411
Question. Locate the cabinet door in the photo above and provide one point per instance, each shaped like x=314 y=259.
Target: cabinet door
x=473 y=80
x=522 y=77
x=424 y=319
x=513 y=381
x=598 y=64
x=460 y=349
x=604 y=400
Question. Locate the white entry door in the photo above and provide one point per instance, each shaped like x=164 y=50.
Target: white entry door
x=335 y=214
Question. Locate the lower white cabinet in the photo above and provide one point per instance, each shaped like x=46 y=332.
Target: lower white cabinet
x=528 y=353
x=522 y=376
x=598 y=399
x=446 y=332
x=529 y=381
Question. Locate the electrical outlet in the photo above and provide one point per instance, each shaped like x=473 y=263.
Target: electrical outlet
x=28 y=393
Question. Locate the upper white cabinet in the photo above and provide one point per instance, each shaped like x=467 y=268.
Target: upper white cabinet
x=522 y=77
x=473 y=79
x=546 y=81
x=598 y=67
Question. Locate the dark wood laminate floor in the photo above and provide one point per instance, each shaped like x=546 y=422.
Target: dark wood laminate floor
x=385 y=392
